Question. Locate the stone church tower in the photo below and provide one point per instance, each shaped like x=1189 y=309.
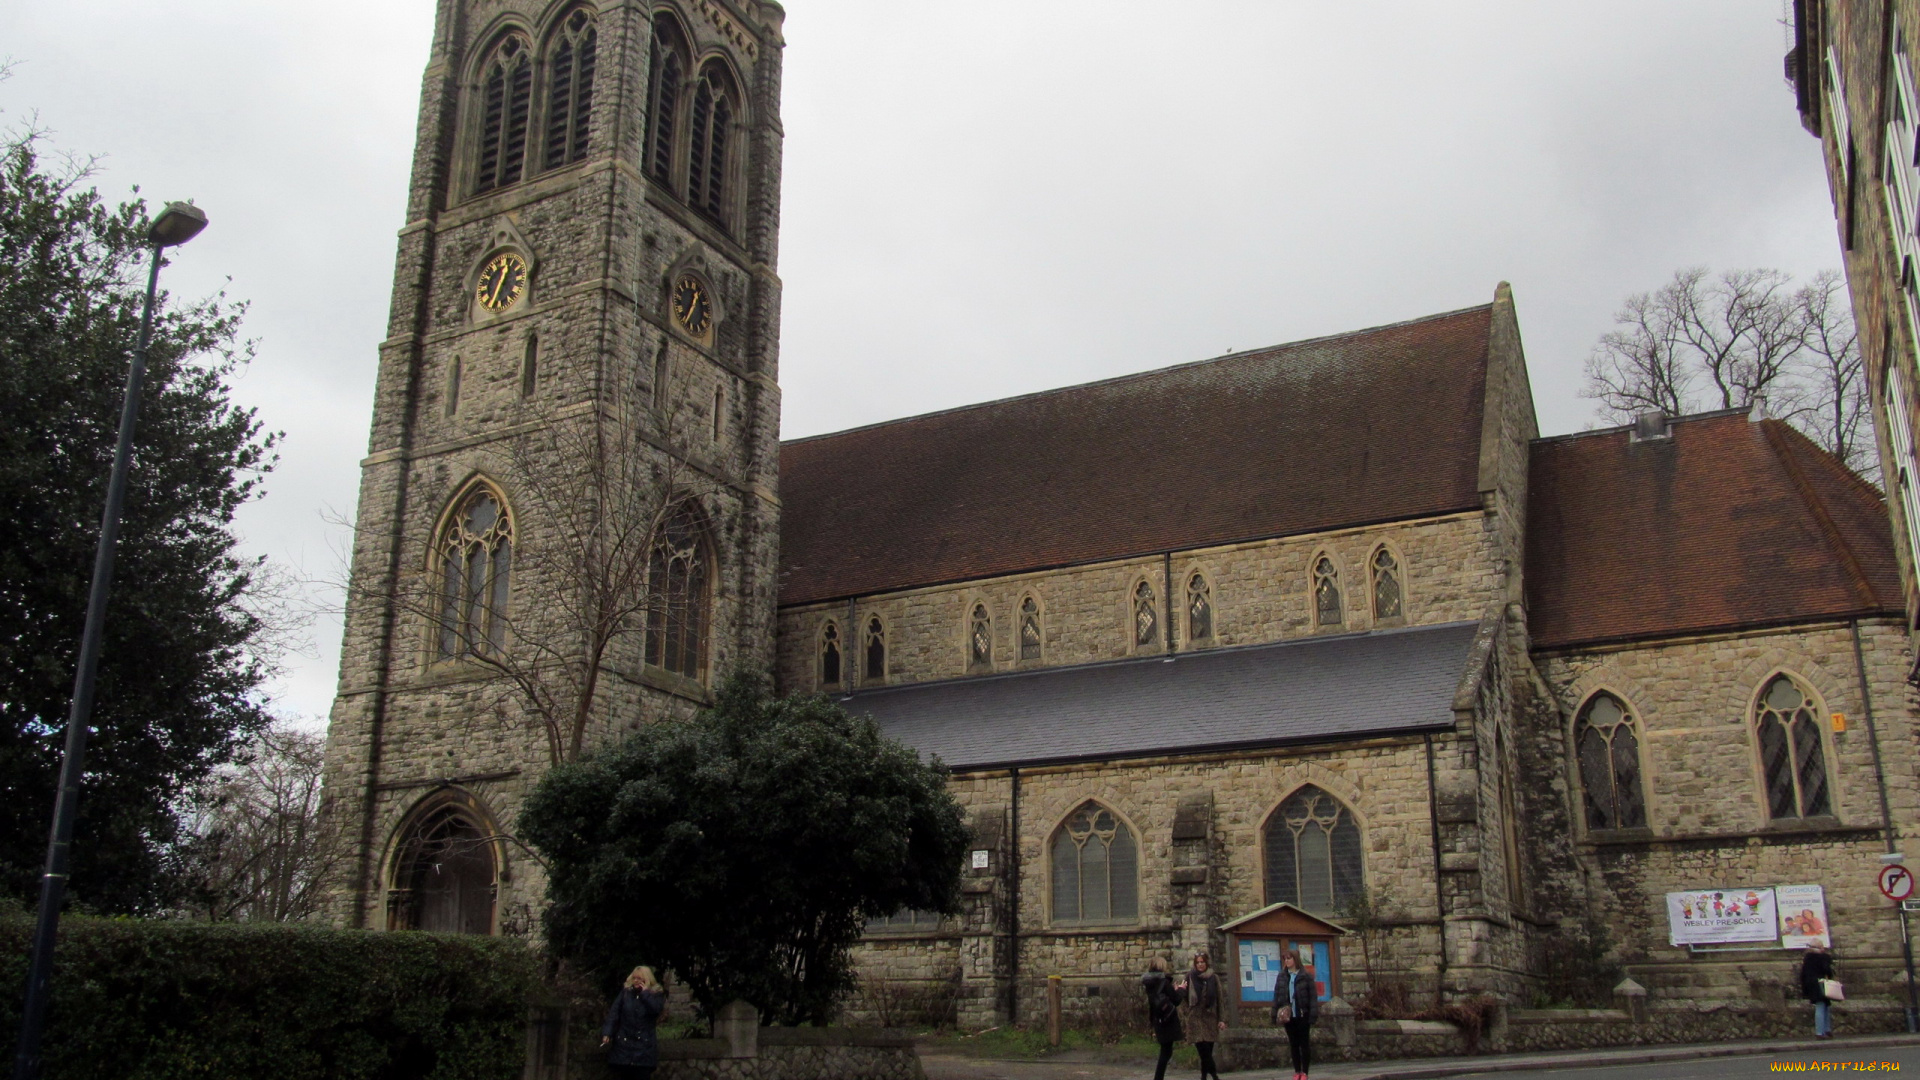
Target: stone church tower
x=588 y=262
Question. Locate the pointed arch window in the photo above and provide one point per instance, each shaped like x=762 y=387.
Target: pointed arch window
x=444 y=875
x=1313 y=852
x=1146 y=617
x=830 y=655
x=506 y=96
x=711 y=128
x=667 y=80
x=980 y=638
x=1030 y=637
x=1199 y=608
x=1326 y=592
x=1096 y=868
x=475 y=550
x=1386 y=586
x=1793 y=763
x=679 y=614
x=1605 y=738
x=876 y=650
x=570 y=90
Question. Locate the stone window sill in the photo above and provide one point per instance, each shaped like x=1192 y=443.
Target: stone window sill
x=677 y=685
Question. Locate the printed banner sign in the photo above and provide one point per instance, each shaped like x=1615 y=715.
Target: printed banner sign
x=1720 y=916
x=1803 y=916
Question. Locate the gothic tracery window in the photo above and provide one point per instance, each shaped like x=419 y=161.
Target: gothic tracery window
x=1030 y=637
x=830 y=655
x=1326 y=592
x=1096 y=868
x=443 y=875
x=506 y=96
x=663 y=99
x=679 y=612
x=1146 y=617
x=1386 y=585
x=475 y=550
x=980 y=638
x=710 y=123
x=876 y=650
x=1609 y=751
x=1793 y=762
x=1313 y=852
x=570 y=90
x=1199 y=608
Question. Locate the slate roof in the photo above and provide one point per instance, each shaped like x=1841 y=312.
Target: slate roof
x=1727 y=524
x=1309 y=690
x=1376 y=425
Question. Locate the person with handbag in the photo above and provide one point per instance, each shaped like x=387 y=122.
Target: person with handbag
x=1294 y=1000
x=1164 y=998
x=633 y=1050
x=1820 y=987
x=1205 y=1013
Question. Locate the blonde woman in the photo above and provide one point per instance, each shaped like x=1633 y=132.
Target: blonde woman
x=633 y=1051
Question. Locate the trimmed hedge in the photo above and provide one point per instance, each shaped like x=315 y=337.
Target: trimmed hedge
x=146 y=1000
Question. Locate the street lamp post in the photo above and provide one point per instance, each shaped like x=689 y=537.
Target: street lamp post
x=177 y=224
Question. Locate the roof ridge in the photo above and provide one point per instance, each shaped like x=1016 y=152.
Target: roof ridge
x=1711 y=414
x=1778 y=439
x=1131 y=376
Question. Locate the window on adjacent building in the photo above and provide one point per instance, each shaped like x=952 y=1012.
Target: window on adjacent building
x=663 y=98
x=830 y=655
x=1605 y=739
x=1905 y=481
x=1326 y=592
x=506 y=95
x=679 y=612
x=1096 y=868
x=1199 y=608
x=1146 y=617
x=876 y=649
x=570 y=90
x=1030 y=637
x=1313 y=852
x=1386 y=585
x=980 y=638
x=476 y=565
x=1793 y=761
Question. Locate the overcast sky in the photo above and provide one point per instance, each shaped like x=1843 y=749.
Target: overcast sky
x=988 y=198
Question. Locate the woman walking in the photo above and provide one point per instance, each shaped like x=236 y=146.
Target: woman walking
x=632 y=1049
x=1164 y=998
x=1816 y=970
x=1203 y=1012
x=1293 y=1004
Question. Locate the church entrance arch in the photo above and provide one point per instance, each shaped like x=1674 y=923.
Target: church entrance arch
x=445 y=871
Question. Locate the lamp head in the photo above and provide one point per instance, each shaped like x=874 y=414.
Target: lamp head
x=177 y=224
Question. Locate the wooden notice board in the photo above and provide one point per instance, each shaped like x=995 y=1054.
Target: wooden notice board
x=1256 y=942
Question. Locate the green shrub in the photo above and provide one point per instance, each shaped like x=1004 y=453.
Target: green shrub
x=147 y=1000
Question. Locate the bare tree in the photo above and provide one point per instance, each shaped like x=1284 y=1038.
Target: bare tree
x=258 y=851
x=1641 y=366
x=1835 y=414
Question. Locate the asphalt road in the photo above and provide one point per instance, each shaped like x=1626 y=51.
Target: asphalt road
x=1840 y=1061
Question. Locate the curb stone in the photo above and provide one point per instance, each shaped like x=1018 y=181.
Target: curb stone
x=1581 y=1059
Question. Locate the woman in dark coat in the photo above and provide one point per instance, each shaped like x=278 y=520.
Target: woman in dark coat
x=633 y=1051
x=1204 y=1012
x=1164 y=998
x=1294 y=1000
x=1816 y=966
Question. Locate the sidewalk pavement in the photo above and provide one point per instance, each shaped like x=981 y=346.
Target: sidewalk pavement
x=1427 y=1068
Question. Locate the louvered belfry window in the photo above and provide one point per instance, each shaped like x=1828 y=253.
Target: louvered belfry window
x=1146 y=616
x=506 y=95
x=1096 y=869
x=712 y=123
x=1609 y=750
x=678 y=613
x=663 y=100
x=476 y=561
x=830 y=656
x=1199 y=608
x=1386 y=585
x=1326 y=592
x=1029 y=629
x=1313 y=853
x=980 y=638
x=876 y=649
x=1793 y=761
x=570 y=90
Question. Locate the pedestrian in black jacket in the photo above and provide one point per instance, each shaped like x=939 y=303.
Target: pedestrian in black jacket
x=1294 y=1001
x=1815 y=968
x=633 y=1051
x=1164 y=998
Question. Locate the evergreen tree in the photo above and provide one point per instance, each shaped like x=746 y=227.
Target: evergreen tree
x=178 y=681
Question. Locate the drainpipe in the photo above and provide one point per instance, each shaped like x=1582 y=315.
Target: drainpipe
x=1886 y=819
x=1013 y=899
x=1439 y=887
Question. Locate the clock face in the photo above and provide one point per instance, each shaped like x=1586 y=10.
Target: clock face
x=502 y=282
x=692 y=309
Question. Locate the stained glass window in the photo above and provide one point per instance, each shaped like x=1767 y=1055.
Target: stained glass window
x=1029 y=629
x=876 y=650
x=678 y=611
x=1792 y=760
x=980 y=638
x=830 y=655
x=1386 y=585
x=1326 y=593
x=1199 y=609
x=1146 y=617
x=1609 y=751
x=1313 y=853
x=1095 y=869
x=476 y=566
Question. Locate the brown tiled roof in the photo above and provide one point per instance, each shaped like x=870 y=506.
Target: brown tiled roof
x=1378 y=425
x=1728 y=524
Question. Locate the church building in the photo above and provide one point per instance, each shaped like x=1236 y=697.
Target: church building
x=1322 y=636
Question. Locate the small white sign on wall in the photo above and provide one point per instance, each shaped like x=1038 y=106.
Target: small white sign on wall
x=980 y=859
